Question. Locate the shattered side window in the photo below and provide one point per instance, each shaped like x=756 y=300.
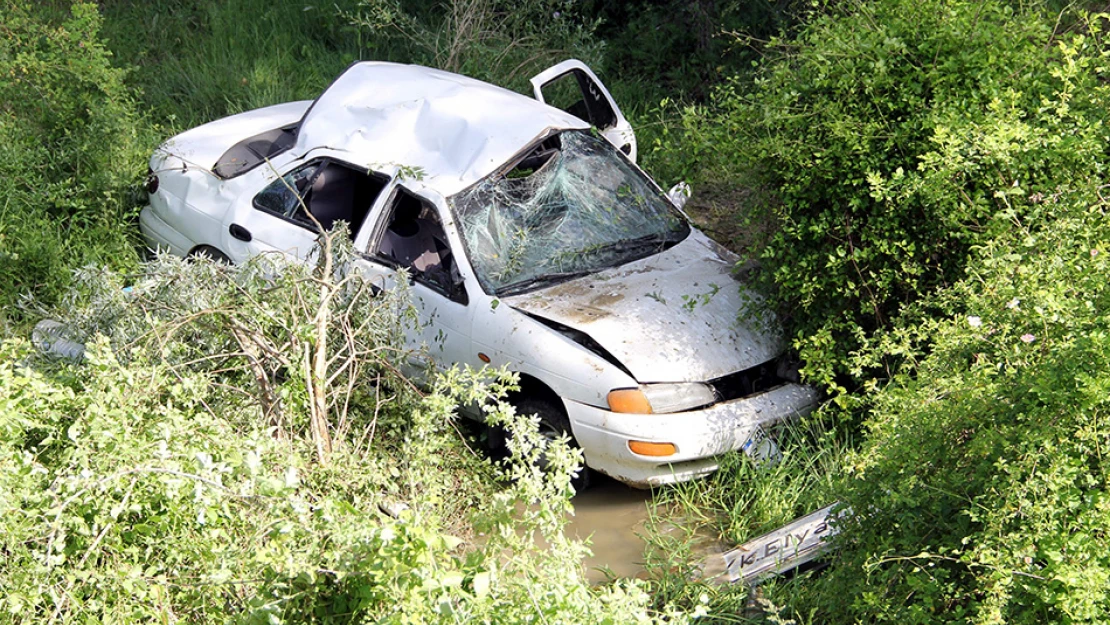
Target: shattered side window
x=284 y=196
x=573 y=205
x=328 y=190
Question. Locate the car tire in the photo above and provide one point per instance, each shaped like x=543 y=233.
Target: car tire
x=553 y=425
x=209 y=252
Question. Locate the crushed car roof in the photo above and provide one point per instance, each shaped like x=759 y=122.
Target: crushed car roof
x=455 y=129
x=448 y=129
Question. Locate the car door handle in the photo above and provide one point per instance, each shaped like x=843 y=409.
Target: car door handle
x=239 y=232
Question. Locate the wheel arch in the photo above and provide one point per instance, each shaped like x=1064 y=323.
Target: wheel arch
x=533 y=387
x=209 y=251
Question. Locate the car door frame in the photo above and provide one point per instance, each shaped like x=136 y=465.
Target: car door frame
x=620 y=133
x=439 y=316
x=243 y=214
x=303 y=238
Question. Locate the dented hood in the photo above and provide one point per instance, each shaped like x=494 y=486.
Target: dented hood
x=678 y=316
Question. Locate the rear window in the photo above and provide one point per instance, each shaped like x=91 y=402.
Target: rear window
x=252 y=152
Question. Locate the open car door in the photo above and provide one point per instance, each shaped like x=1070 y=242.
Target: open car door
x=573 y=87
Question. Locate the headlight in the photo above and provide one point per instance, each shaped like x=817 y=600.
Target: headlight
x=661 y=398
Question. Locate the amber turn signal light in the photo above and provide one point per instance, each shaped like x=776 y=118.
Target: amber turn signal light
x=629 y=400
x=645 y=448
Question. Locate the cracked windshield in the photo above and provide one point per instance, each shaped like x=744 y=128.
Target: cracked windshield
x=572 y=206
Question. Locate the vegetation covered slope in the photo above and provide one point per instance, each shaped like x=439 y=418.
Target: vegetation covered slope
x=892 y=138
x=922 y=182
x=930 y=180
x=72 y=150
x=232 y=447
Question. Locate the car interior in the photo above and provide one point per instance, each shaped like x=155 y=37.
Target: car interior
x=329 y=190
x=414 y=238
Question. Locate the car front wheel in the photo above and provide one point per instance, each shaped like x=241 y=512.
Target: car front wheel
x=554 y=425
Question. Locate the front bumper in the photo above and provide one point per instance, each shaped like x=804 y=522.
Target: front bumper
x=698 y=436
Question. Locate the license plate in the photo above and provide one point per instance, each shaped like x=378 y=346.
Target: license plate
x=779 y=551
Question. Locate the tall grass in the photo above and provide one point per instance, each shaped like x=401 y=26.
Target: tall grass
x=742 y=500
x=197 y=61
x=745 y=498
x=72 y=153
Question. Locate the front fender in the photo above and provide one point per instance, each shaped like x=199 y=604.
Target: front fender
x=510 y=338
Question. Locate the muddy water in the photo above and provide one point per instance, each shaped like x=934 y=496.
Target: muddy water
x=613 y=518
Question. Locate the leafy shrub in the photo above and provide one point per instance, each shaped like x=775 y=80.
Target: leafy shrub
x=964 y=148
x=679 y=49
x=891 y=138
x=981 y=483
x=72 y=150
x=981 y=489
x=156 y=481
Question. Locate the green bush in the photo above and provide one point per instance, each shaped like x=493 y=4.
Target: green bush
x=679 y=49
x=72 y=151
x=981 y=491
x=980 y=486
x=155 y=481
x=889 y=139
x=930 y=179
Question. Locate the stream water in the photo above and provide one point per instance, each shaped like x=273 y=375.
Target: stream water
x=614 y=518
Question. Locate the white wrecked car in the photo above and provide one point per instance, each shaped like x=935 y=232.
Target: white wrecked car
x=532 y=239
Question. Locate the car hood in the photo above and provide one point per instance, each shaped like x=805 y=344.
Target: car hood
x=202 y=146
x=677 y=316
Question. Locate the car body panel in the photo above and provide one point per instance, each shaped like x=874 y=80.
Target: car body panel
x=672 y=316
x=699 y=436
x=191 y=200
x=195 y=200
x=526 y=346
x=200 y=147
x=268 y=233
x=436 y=121
x=162 y=236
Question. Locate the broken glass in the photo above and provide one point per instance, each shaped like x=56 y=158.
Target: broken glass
x=330 y=191
x=571 y=206
x=285 y=197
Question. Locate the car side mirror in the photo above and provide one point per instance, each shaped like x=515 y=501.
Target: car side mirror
x=679 y=194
